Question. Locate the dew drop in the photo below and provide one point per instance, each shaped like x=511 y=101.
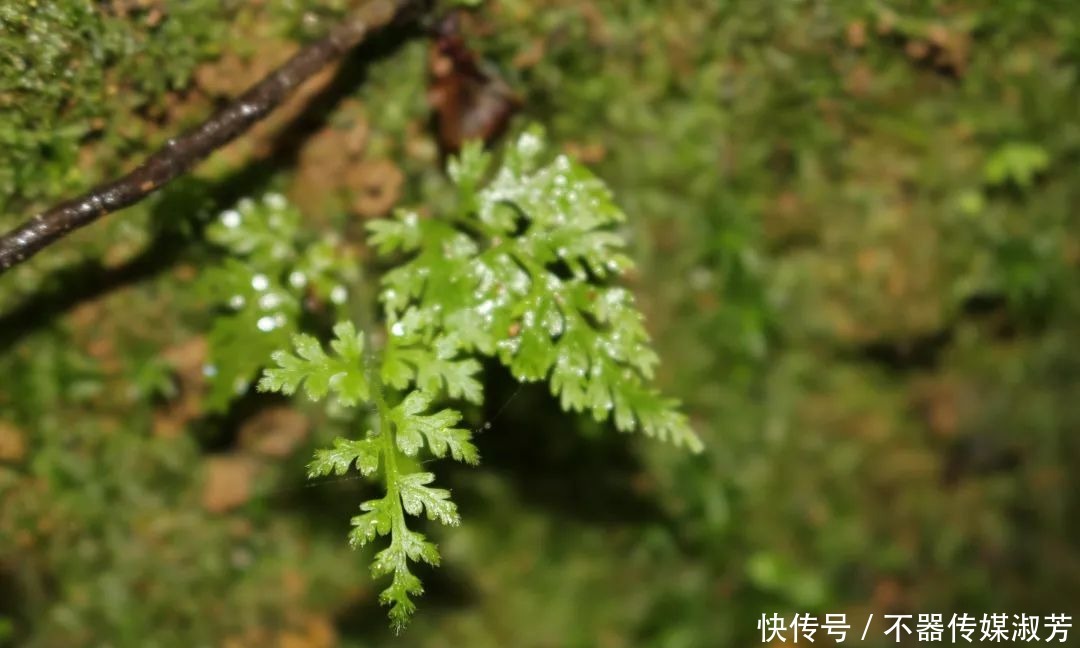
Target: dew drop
x=398 y=329
x=230 y=218
x=275 y=201
x=338 y=294
x=266 y=324
x=297 y=279
x=553 y=322
x=260 y=282
x=529 y=144
x=236 y=302
x=269 y=301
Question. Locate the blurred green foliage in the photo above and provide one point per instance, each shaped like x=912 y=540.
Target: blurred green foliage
x=269 y=277
x=855 y=229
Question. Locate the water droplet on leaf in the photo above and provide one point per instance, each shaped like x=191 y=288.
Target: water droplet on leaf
x=260 y=282
x=269 y=301
x=266 y=324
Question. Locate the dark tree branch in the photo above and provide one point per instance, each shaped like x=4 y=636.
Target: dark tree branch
x=180 y=154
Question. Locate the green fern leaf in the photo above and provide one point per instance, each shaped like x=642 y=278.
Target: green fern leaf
x=437 y=429
x=416 y=497
x=377 y=520
x=337 y=460
x=319 y=373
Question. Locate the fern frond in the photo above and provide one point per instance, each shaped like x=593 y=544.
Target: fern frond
x=341 y=374
x=270 y=276
x=521 y=273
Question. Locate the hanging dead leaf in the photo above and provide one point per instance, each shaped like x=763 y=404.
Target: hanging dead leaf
x=469 y=98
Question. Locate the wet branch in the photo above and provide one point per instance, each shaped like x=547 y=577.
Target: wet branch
x=180 y=154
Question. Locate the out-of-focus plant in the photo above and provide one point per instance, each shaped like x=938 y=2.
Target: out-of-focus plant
x=271 y=276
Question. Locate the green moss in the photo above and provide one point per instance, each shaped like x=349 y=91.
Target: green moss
x=74 y=71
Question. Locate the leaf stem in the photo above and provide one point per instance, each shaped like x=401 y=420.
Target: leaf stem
x=389 y=445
